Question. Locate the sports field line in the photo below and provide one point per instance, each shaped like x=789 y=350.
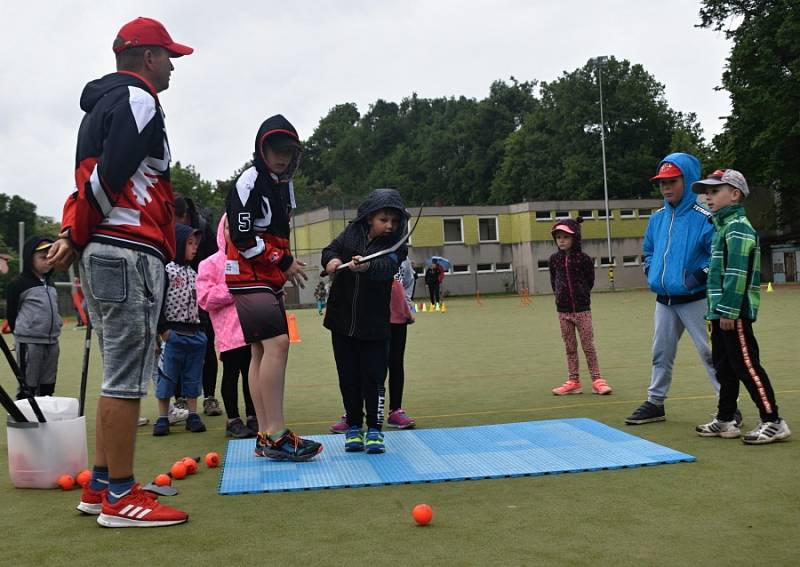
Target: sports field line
x=494 y=412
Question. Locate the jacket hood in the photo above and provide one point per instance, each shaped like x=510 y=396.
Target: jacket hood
x=221 y=233
x=97 y=89
x=690 y=167
x=182 y=234
x=575 y=226
x=384 y=199
x=27 y=253
x=275 y=125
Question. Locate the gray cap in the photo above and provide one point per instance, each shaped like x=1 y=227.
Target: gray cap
x=723 y=177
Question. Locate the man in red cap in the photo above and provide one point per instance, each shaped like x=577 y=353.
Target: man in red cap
x=120 y=221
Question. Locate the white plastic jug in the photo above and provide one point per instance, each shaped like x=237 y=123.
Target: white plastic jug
x=53 y=408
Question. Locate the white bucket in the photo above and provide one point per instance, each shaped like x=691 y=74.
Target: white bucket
x=39 y=453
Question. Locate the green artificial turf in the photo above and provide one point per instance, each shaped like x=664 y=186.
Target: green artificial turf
x=472 y=365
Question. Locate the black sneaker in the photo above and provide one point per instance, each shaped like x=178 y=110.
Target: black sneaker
x=646 y=413
x=737 y=418
x=237 y=429
x=211 y=406
x=252 y=424
x=195 y=424
x=288 y=447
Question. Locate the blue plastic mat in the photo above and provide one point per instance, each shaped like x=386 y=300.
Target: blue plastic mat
x=437 y=455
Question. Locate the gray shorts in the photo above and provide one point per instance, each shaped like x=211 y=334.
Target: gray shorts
x=39 y=363
x=124 y=290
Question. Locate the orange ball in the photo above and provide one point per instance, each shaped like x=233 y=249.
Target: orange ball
x=178 y=470
x=212 y=460
x=191 y=465
x=66 y=482
x=422 y=514
x=84 y=478
x=163 y=480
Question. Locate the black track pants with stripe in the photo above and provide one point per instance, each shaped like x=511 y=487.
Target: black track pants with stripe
x=736 y=359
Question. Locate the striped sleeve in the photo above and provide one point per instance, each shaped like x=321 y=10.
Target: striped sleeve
x=740 y=241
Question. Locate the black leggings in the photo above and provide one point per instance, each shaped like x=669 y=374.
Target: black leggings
x=362 y=372
x=397 y=375
x=235 y=362
x=434 y=291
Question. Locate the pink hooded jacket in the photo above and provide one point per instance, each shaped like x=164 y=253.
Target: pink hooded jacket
x=214 y=297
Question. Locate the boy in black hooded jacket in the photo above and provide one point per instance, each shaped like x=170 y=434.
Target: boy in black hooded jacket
x=358 y=311
x=32 y=312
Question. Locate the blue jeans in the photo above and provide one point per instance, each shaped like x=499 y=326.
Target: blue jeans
x=181 y=362
x=670 y=321
x=124 y=290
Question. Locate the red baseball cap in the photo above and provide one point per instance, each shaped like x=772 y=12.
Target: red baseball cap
x=667 y=170
x=147 y=31
x=562 y=227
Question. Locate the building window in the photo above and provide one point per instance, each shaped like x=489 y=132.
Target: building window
x=502 y=267
x=586 y=213
x=601 y=214
x=562 y=214
x=544 y=264
x=484 y=268
x=453 y=230
x=630 y=260
x=487 y=229
x=644 y=213
x=605 y=261
x=460 y=269
x=626 y=214
x=543 y=216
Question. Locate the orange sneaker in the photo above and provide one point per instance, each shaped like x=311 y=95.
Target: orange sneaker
x=568 y=387
x=600 y=387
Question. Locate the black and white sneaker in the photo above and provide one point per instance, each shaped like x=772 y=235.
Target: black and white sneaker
x=648 y=412
x=717 y=428
x=767 y=432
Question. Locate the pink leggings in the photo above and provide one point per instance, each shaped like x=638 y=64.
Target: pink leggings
x=581 y=321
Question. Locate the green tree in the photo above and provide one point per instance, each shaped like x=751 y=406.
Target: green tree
x=762 y=133
x=186 y=181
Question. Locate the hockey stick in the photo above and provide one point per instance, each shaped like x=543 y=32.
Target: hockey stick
x=12 y=408
x=385 y=251
x=21 y=379
x=87 y=345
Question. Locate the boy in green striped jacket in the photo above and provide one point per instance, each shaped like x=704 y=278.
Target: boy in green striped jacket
x=734 y=286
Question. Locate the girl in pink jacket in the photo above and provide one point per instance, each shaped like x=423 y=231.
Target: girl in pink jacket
x=214 y=297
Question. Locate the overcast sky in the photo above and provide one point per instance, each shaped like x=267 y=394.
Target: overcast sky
x=302 y=57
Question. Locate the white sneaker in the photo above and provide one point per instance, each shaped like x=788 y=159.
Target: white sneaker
x=142 y=421
x=767 y=432
x=177 y=415
x=717 y=428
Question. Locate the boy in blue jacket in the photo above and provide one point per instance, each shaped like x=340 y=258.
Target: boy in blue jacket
x=677 y=251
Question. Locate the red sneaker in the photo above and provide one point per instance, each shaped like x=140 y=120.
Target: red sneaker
x=91 y=500
x=601 y=387
x=139 y=509
x=568 y=387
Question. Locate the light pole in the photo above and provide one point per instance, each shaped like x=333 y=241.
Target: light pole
x=599 y=62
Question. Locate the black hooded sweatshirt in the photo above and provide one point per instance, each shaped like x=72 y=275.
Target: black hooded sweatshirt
x=259 y=218
x=32 y=303
x=358 y=305
x=571 y=274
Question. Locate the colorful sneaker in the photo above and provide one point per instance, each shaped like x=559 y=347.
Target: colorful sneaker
x=375 y=442
x=717 y=428
x=399 y=419
x=568 y=387
x=161 y=427
x=252 y=425
x=340 y=426
x=139 y=509
x=180 y=403
x=195 y=424
x=600 y=387
x=211 y=406
x=236 y=429
x=767 y=432
x=288 y=447
x=177 y=415
x=648 y=412
x=91 y=500
x=354 y=439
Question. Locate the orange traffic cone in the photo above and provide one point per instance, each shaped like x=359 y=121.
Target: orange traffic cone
x=291 y=321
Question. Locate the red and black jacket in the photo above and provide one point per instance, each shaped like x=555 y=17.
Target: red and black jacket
x=259 y=213
x=123 y=192
x=572 y=274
